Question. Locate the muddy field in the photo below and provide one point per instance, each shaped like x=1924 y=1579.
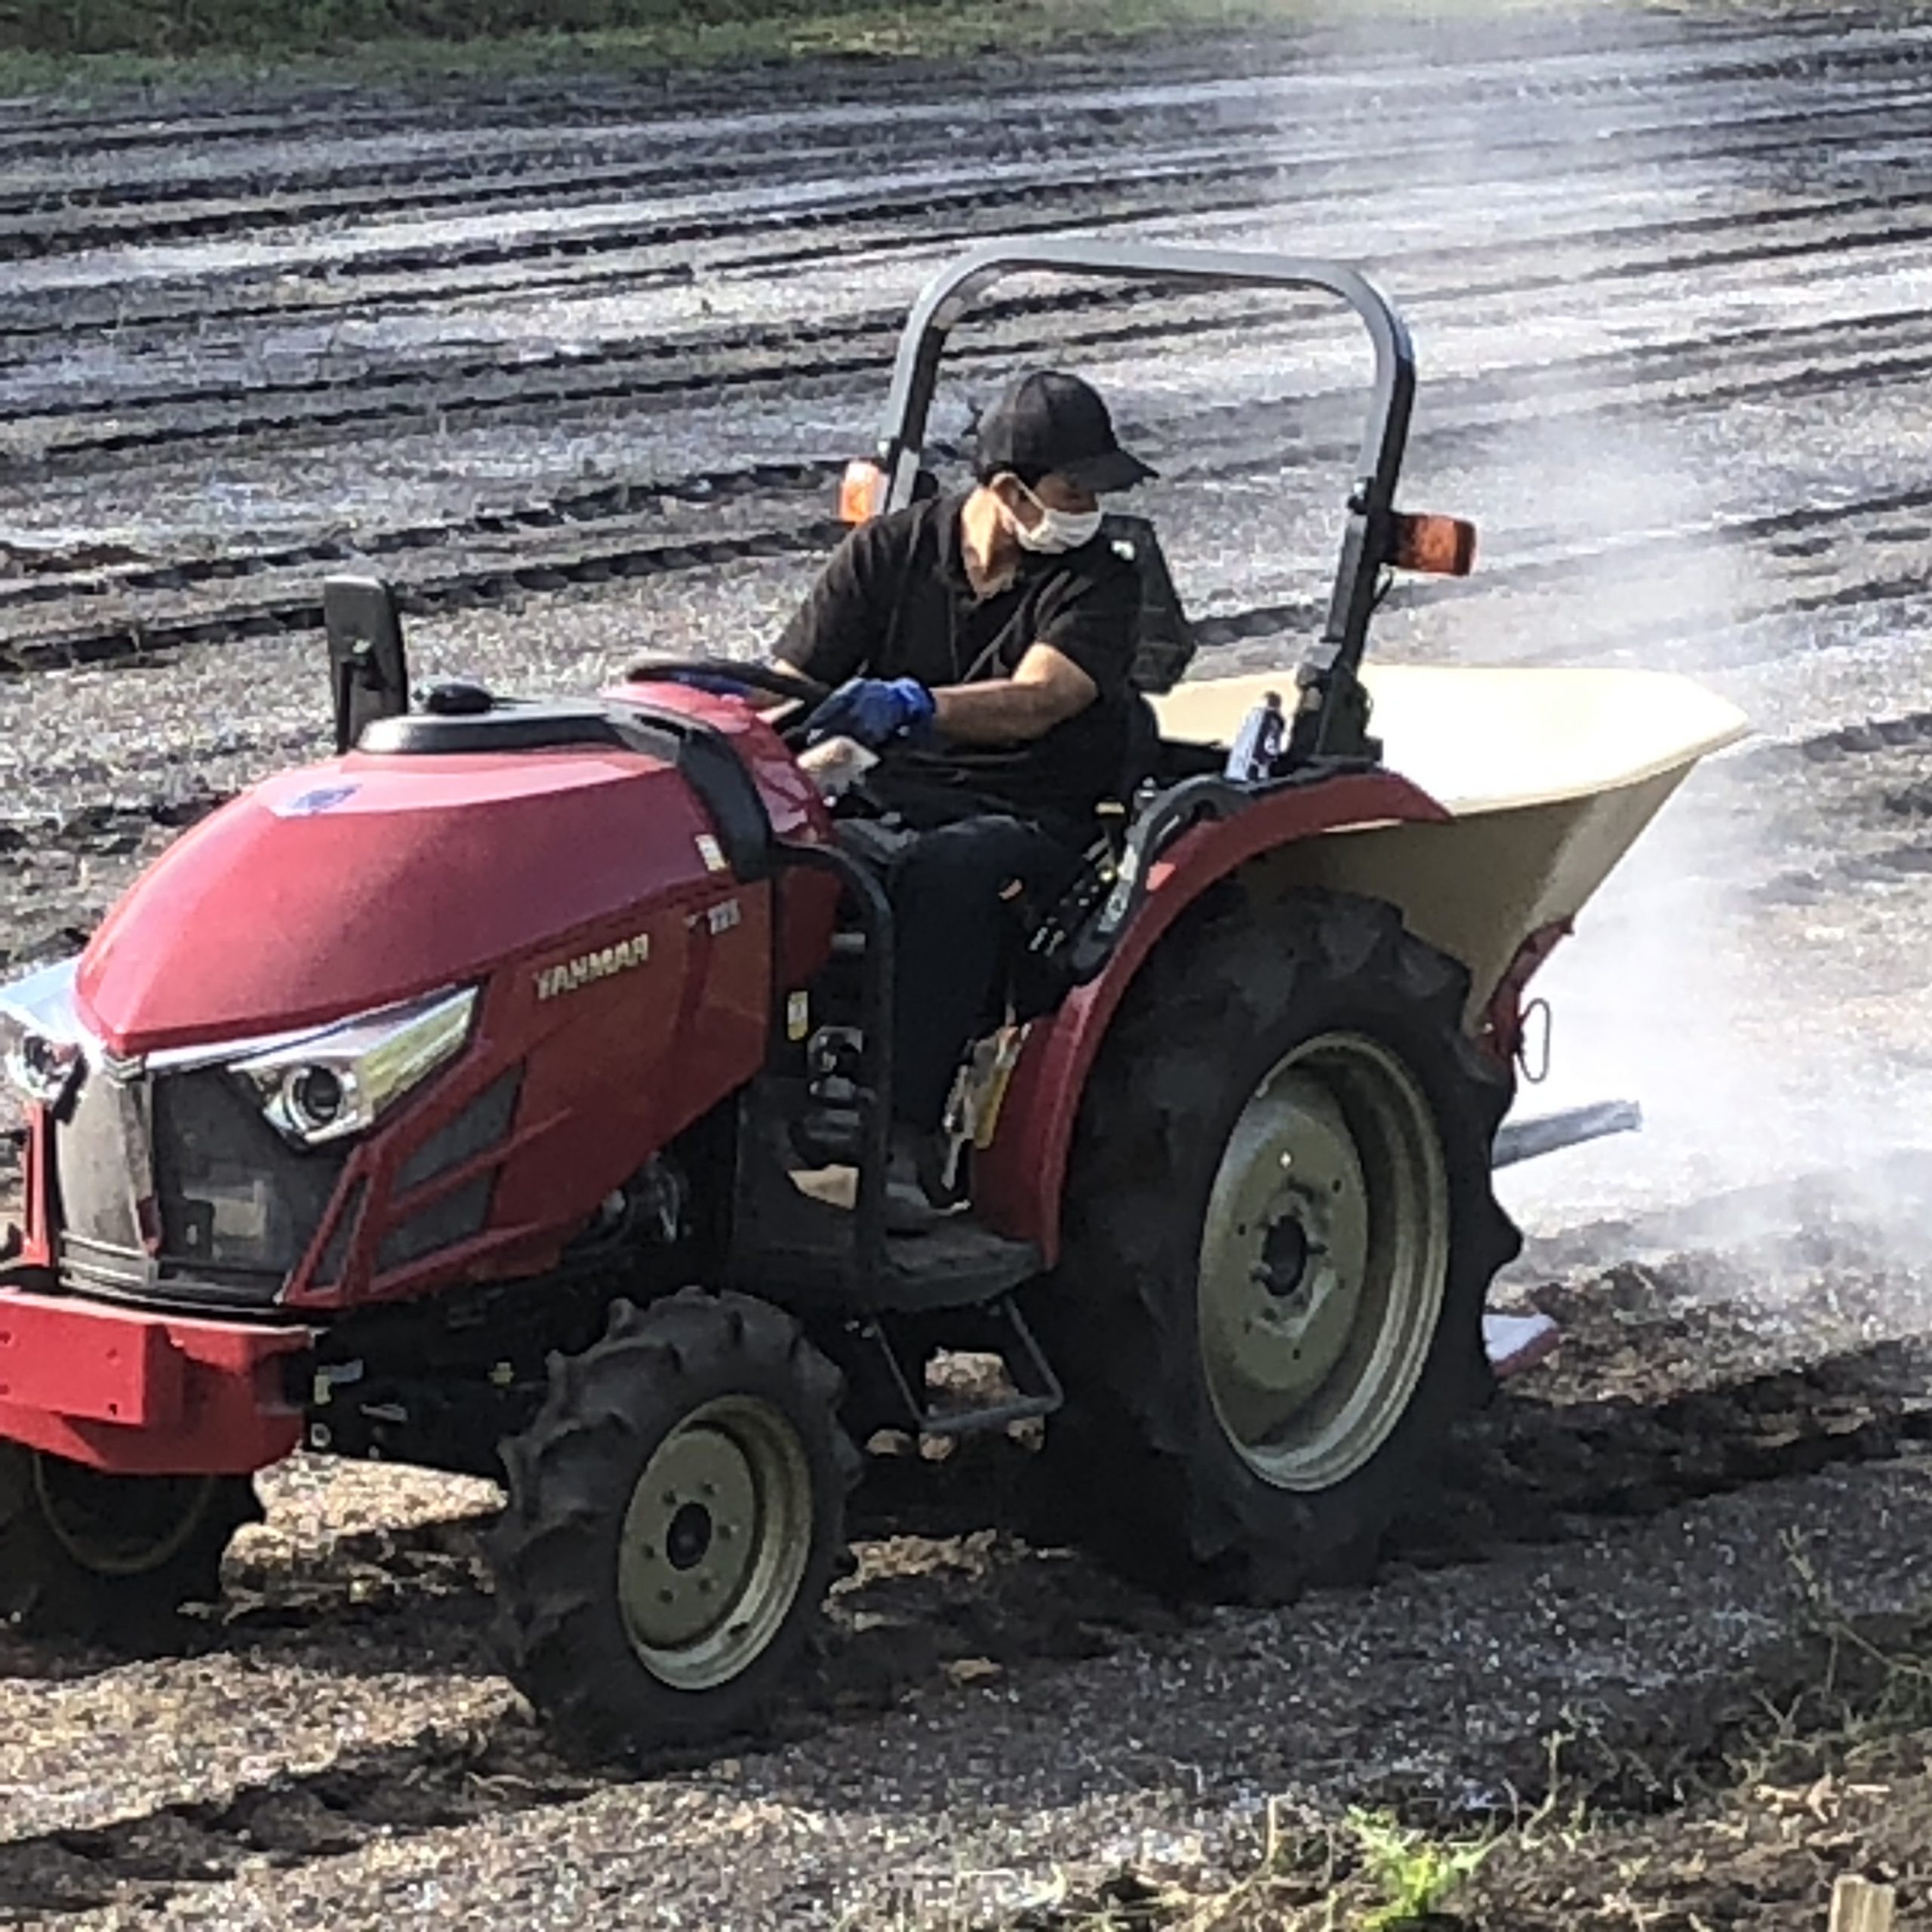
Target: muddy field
x=576 y=366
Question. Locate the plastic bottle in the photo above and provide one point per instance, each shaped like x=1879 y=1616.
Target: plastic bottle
x=1258 y=743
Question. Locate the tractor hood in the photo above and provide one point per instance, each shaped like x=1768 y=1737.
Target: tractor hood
x=370 y=880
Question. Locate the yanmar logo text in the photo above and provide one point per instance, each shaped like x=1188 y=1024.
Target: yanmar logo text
x=573 y=975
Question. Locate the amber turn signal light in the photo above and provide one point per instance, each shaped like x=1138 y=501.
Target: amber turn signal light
x=861 y=491
x=1441 y=545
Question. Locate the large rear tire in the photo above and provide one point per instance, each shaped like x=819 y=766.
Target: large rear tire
x=675 y=1513
x=1280 y=1231
x=111 y=1559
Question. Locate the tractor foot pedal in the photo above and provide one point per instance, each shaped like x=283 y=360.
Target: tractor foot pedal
x=1514 y=1342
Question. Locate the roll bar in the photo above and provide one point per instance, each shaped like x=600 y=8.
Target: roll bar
x=1368 y=540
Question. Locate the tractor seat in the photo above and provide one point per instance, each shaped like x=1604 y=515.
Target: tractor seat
x=1167 y=642
x=1164 y=651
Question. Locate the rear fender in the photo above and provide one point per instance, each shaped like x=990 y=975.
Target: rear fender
x=1018 y=1180
x=1477 y=887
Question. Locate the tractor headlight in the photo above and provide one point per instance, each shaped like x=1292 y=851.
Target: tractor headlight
x=40 y=1034
x=330 y=1085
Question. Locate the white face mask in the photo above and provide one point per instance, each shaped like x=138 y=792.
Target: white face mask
x=1057 y=531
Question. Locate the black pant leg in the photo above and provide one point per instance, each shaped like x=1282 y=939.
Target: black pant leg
x=955 y=925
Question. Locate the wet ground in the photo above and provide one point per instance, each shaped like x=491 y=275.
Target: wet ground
x=577 y=367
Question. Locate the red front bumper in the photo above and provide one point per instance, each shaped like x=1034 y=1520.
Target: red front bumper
x=144 y=1394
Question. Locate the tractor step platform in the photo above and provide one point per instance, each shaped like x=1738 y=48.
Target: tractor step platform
x=956 y=1265
x=806 y=1254
x=958 y=1261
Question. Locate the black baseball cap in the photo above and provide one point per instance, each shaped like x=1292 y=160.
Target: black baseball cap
x=1048 y=422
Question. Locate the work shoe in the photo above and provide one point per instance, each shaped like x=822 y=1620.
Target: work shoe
x=908 y=1207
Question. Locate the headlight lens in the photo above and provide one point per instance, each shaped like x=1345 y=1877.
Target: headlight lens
x=40 y=1034
x=339 y=1083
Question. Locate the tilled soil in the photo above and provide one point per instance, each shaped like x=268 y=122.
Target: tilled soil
x=576 y=367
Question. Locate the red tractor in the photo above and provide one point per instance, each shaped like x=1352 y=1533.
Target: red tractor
x=509 y=1094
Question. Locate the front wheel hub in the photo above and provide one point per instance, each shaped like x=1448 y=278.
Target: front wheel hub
x=715 y=1542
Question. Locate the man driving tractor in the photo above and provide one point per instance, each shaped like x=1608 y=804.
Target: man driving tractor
x=991 y=635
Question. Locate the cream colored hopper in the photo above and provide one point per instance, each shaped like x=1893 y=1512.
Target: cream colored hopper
x=1550 y=775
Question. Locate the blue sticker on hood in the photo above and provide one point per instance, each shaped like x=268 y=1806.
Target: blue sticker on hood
x=309 y=805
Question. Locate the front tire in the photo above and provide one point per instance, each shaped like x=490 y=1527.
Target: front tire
x=675 y=1513
x=110 y=1559
x=1280 y=1232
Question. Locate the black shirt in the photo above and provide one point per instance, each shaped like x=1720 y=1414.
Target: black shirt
x=895 y=601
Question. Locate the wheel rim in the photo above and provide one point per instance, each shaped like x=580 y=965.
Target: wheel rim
x=1324 y=1256
x=119 y=1526
x=716 y=1543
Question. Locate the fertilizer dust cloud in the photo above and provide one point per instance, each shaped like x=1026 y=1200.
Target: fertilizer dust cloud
x=1720 y=979
x=1739 y=975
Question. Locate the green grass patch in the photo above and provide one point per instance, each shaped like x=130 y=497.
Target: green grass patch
x=125 y=35
x=61 y=44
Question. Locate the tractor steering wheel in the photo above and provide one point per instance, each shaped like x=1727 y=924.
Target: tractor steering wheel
x=705 y=672
x=708 y=673
x=780 y=680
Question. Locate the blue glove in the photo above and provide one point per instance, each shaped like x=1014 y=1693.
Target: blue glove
x=871 y=711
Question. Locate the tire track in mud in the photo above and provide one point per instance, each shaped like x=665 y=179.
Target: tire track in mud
x=481 y=197
x=454 y=588
x=36 y=223
x=695 y=101
x=843 y=356
x=1524 y=1477
x=428 y=1783
x=1879 y=773
x=862 y=343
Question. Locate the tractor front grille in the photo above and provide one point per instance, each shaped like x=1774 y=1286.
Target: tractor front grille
x=232 y=1208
